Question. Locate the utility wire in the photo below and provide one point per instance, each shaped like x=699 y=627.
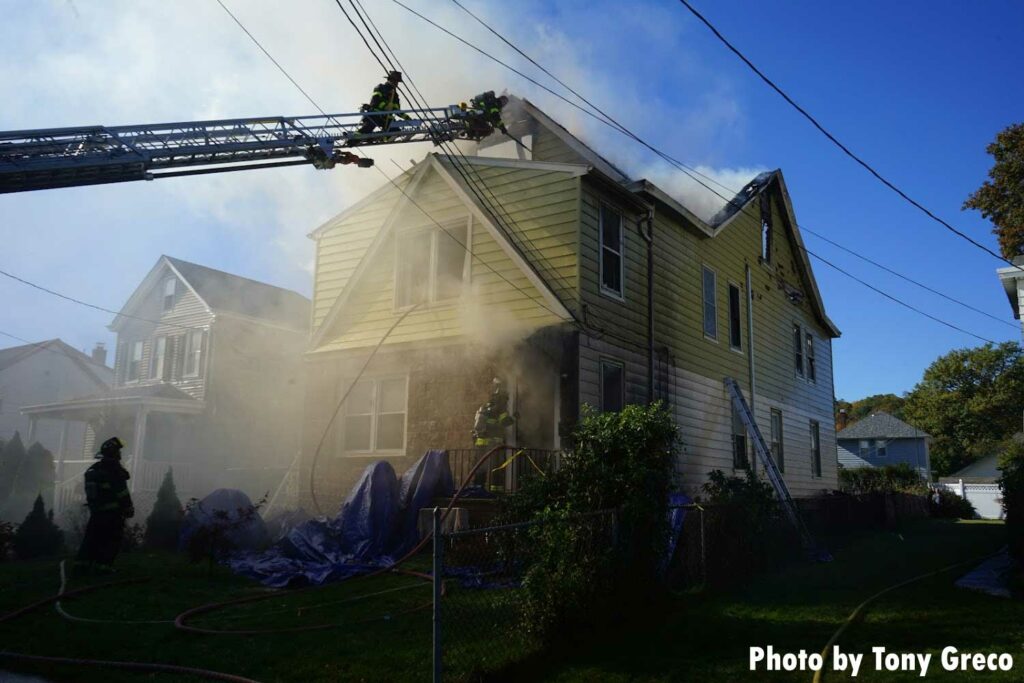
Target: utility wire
x=846 y=150
x=688 y=170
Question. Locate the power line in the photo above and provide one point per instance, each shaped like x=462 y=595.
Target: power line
x=846 y=150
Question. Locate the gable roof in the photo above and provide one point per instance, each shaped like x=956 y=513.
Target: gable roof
x=101 y=374
x=222 y=292
x=881 y=425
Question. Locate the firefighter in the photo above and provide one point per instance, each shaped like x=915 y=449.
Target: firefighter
x=491 y=107
x=385 y=98
x=110 y=504
x=489 y=424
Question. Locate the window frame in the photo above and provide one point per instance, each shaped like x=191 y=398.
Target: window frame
x=161 y=372
x=779 y=456
x=811 y=373
x=434 y=231
x=619 y=295
x=767 y=230
x=173 y=286
x=704 y=268
x=603 y=362
x=732 y=286
x=375 y=415
x=797 y=339
x=130 y=360
x=738 y=431
x=882 y=448
x=815 y=433
x=199 y=354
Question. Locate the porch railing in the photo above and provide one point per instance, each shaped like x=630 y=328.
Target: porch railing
x=505 y=470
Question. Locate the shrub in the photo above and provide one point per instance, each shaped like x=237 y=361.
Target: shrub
x=621 y=461
x=1011 y=481
x=213 y=540
x=901 y=478
x=163 y=526
x=132 y=538
x=31 y=472
x=945 y=504
x=12 y=456
x=38 y=536
x=6 y=540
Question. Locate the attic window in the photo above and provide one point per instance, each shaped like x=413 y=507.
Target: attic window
x=766 y=229
x=169 y=291
x=430 y=265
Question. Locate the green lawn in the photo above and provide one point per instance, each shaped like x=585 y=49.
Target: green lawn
x=701 y=637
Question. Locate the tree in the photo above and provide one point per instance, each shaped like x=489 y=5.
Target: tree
x=858 y=410
x=11 y=460
x=34 y=475
x=38 y=536
x=970 y=402
x=164 y=523
x=1001 y=199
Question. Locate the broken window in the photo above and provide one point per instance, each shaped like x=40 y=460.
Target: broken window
x=708 y=286
x=611 y=250
x=134 y=361
x=778 y=449
x=613 y=386
x=735 y=331
x=812 y=372
x=431 y=264
x=798 y=349
x=739 y=442
x=193 y=353
x=375 y=413
x=815 y=448
x=169 y=290
x=158 y=362
x=766 y=228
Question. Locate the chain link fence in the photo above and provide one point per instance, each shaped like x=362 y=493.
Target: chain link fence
x=480 y=624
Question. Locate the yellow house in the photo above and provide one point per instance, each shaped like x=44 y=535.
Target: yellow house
x=548 y=267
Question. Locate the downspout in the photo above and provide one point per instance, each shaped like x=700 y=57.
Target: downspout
x=649 y=238
x=750 y=350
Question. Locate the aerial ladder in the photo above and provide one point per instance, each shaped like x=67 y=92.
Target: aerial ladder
x=93 y=155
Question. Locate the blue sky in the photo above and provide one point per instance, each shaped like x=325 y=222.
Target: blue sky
x=916 y=88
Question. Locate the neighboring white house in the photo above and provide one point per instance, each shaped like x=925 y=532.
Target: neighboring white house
x=48 y=372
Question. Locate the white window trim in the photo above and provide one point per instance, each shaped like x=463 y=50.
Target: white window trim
x=373 y=451
x=128 y=361
x=728 y=286
x=204 y=336
x=153 y=345
x=800 y=372
x=703 y=295
x=601 y=362
x=435 y=236
x=807 y=334
x=173 y=281
x=606 y=291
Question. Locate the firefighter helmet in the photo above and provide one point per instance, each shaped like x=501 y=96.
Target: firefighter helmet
x=111 y=446
x=394 y=77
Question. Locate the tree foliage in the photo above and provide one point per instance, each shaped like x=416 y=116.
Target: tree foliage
x=858 y=410
x=38 y=536
x=970 y=402
x=1001 y=198
x=34 y=476
x=1011 y=481
x=11 y=458
x=163 y=525
x=899 y=478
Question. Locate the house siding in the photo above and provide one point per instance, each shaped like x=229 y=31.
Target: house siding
x=913 y=452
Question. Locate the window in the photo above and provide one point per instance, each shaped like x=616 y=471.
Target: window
x=611 y=251
x=864 y=446
x=881 y=448
x=778 y=451
x=169 y=291
x=158 y=364
x=815 y=448
x=812 y=372
x=739 y=442
x=735 y=332
x=766 y=229
x=375 y=416
x=708 y=286
x=193 y=353
x=798 y=349
x=431 y=264
x=134 y=366
x=613 y=386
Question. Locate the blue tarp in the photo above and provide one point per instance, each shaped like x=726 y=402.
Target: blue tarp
x=676 y=516
x=232 y=510
x=375 y=526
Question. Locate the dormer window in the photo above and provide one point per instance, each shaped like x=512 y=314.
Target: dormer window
x=766 y=229
x=170 y=287
x=430 y=264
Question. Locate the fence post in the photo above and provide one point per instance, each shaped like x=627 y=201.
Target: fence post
x=437 y=580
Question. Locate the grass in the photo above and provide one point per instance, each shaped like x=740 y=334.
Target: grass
x=702 y=636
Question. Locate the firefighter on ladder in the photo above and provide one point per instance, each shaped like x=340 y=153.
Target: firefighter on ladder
x=110 y=504
x=385 y=99
x=489 y=424
x=490 y=107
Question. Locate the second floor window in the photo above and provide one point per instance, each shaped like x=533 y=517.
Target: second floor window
x=134 y=364
x=158 y=362
x=812 y=370
x=798 y=349
x=735 y=331
x=611 y=251
x=169 y=291
x=192 y=354
x=430 y=264
x=709 y=288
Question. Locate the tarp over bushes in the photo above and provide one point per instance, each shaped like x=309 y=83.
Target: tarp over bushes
x=375 y=526
x=230 y=511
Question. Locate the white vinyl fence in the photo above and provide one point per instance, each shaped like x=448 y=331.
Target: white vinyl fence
x=986 y=498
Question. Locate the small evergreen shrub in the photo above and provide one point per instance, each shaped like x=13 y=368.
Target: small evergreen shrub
x=163 y=526
x=6 y=540
x=38 y=536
